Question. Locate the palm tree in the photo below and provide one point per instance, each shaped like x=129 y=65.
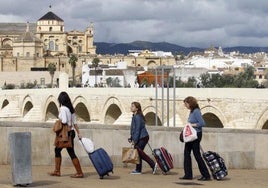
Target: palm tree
x=72 y=61
x=95 y=64
x=51 y=69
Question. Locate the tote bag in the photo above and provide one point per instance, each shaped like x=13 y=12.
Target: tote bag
x=130 y=155
x=189 y=133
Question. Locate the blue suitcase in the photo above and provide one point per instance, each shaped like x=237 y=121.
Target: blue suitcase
x=102 y=162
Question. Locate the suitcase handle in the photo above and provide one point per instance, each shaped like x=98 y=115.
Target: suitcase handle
x=150 y=148
x=201 y=149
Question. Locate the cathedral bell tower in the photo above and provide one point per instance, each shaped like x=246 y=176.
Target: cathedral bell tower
x=50 y=30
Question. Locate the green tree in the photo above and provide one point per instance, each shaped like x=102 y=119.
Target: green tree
x=246 y=79
x=109 y=81
x=191 y=82
x=182 y=56
x=51 y=69
x=72 y=61
x=95 y=64
x=216 y=80
x=228 y=80
x=205 y=80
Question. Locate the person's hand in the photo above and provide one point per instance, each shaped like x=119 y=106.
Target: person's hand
x=129 y=140
x=79 y=136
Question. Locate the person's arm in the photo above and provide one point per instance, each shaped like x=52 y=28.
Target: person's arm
x=63 y=115
x=136 y=129
x=78 y=131
x=199 y=119
x=74 y=123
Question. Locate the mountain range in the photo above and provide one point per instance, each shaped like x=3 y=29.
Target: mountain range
x=122 y=48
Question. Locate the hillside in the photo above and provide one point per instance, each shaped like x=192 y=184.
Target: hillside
x=122 y=48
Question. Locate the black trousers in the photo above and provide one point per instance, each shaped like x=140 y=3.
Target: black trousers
x=143 y=156
x=195 y=147
x=69 y=150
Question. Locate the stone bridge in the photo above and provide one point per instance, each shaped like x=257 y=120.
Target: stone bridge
x=221 y=107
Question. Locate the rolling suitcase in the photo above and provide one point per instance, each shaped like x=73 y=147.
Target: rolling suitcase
x=215 y=163
x=99 y=158
x=163 y=159
x=102 y=162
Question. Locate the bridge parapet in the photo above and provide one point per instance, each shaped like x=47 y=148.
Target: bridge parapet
x=220 y=107
x=239 y=148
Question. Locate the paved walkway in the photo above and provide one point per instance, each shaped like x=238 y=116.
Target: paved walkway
x=122 y=179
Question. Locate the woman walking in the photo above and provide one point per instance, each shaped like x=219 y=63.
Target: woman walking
x=139 y=137
x=67 y=116
x=196 y=120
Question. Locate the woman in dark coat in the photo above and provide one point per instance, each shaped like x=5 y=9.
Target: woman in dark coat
x=139 y=137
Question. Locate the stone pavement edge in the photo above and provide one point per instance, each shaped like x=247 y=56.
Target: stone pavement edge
x=121 y=178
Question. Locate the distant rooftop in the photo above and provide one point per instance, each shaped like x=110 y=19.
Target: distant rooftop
x=50 y=16
x=16 y=28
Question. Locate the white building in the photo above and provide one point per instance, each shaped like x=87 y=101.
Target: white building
x=118 y=75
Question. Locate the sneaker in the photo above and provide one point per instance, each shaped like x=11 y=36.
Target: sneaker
x=135 y=172
x=155 y=168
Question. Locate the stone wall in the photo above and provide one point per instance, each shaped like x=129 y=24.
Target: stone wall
x=240 y=148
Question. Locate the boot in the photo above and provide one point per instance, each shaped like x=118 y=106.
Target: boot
x=79 y=173
x=57 y=167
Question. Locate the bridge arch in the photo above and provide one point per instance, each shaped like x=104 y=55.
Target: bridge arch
x=51 y=109
x=149 y=114
x=213 y=117
x=112 y=110
x=27 y=105
x=81 y=110
x=262 y=122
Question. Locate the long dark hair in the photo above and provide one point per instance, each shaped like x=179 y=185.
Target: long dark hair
x=139 y=111
x=192 y=103
x=65 y=100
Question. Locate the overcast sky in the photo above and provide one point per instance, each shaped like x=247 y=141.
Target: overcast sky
x=189 y=23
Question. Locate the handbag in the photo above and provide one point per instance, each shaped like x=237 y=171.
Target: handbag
x=130 y=155
x=189 y=133
x=63 y=139
x=60 y=143
x=57 y=126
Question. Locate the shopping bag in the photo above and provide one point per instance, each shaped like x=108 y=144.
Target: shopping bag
x=87 y=144
x=130 y=155
x=189 y=133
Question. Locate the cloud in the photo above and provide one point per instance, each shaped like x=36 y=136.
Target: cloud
x=198 y=23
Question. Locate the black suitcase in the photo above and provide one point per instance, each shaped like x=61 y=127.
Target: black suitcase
x=216 y=164
x=163 y=159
